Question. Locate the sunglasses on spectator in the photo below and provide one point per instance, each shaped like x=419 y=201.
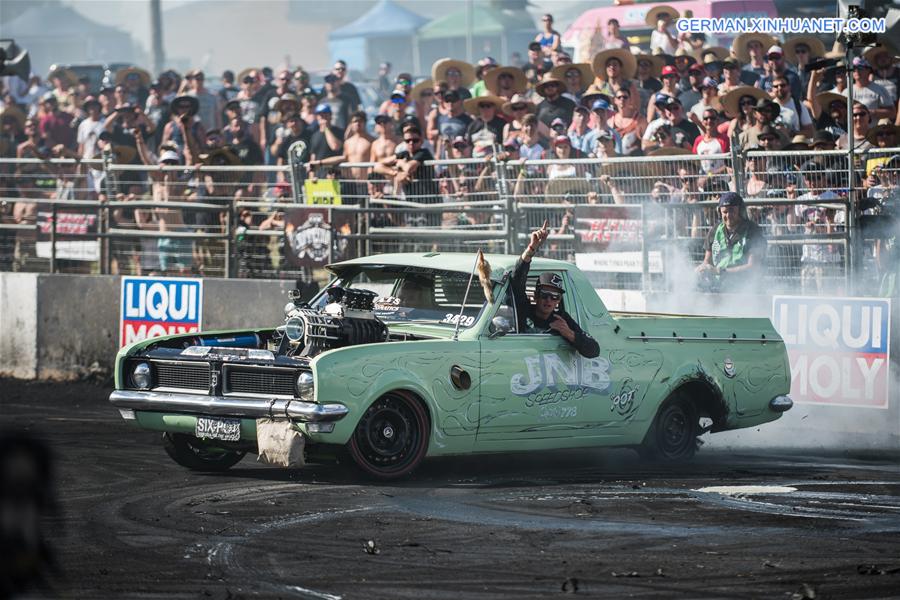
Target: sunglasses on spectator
x=412 y=140
x=340 y=68
x=709 y=117
x=247 y=80
x=519 y=106
x=622 y=97
x=860 y=115
x=460 y=146
x=547 y=295
x=485 y=105
x=767 y=139
x=748 y=102
x=778 y=85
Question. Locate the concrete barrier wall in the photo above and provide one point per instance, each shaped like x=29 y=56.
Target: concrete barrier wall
x=66 y=326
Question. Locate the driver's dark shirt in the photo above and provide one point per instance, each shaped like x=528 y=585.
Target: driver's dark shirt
x=529 y=322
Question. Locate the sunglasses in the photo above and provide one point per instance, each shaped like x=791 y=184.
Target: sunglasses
x=621 y=97
x=747 y=102
x=860 y=115
x=545 y=295
x=778 y=85
x=519 y=106
x=710 y=118
x=485 y=105
x=412 y=140
x=767 y=139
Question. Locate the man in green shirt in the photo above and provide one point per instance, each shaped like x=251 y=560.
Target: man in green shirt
x=735 y=250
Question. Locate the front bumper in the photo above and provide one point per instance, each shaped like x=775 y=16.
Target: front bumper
x=230 y=406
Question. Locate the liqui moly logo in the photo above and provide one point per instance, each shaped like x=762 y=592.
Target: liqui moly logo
x=154 y=306
x=839 y=348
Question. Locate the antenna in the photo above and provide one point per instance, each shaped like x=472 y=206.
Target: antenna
x=465 y=298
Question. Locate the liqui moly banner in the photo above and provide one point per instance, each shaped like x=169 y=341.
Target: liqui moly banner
x=839 y=348
x=157 y=306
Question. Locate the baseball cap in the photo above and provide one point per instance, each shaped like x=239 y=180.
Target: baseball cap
x=552 y=280
x=859 y=61
x=451 y=96
x=668 y=70
x=823 y=136
x=331 y=78
x=709 y=82
x=582 y=109
x=169 y=155
x=696 y=67
x=322 y=109
x=459 y=141
x=557 y=122
x=601 y=104
x=561 y=139
x=382 y=118
x=672 y=101
x=775 y=50
x=730 y=62
x=731 y=199
x=661 y=99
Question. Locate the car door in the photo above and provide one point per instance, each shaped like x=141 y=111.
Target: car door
x=537 y=386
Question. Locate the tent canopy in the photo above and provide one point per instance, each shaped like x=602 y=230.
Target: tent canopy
x=486 y=21
x=385 y=19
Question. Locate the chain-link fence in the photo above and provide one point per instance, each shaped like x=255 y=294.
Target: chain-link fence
x=828 y=224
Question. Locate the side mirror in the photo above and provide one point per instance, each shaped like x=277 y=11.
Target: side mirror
x=499 y=327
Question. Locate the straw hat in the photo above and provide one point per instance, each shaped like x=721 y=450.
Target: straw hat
x=594 y=93
x=815 y=45
x=246 y=72
x=420 y=87
x=520 y=84
x=656 y=63
x=11 y=110
x=587 y=74
x=653 y=14
x=730 y=100
x=518 y=99
x=68 y=75
x=838 y=50
x=471 y=105
x=440 y=67
x=883 y=125
x=826 y=98
x=874 y=51
x=549 y=78
x=143 y=75
x=799 y=142
x=739 y=45
x=286 y=98
x=682 y=53
x=629 y=64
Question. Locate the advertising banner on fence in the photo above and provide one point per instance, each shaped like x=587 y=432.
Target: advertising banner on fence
x=839 y=349
x=69 y=223
x=312 y=236
x=157 y=306
x=608 y=239
x=322 y=191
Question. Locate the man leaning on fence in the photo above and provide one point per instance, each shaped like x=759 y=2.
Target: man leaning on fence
x=734 y=250
x=545 y=315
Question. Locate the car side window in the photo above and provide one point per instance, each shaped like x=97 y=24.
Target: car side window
x=507 y=310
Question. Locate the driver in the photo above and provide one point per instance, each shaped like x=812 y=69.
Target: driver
x=544 y=316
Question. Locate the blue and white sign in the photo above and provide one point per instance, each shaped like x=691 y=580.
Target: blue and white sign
x=157 y=306
x=839 y=348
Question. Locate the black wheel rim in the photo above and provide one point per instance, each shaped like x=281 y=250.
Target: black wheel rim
x=676 y=432
x=388 y=434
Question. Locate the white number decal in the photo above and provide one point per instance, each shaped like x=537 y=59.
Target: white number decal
x=466 y=321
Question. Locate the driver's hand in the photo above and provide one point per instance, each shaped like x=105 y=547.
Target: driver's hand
x=539 y=235
x=559 y=325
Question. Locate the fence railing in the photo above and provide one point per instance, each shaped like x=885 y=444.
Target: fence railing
x=815 y=209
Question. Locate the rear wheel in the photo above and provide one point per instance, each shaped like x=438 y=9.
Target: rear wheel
x=673 y=435
x=198 y=455
x=391 y=438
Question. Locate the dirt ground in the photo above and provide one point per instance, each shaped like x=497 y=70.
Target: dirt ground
x=130 y=523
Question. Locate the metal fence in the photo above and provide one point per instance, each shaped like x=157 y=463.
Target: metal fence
x=232 y=221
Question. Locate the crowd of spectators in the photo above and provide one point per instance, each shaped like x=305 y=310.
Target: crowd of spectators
x=678 y=96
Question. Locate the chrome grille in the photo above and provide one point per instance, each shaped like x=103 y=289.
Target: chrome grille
x=270 y=383
x=182 y=376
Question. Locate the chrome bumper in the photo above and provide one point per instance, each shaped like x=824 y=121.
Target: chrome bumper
x=297 y=410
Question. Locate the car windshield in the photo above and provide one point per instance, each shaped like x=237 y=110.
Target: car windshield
x=415 y=294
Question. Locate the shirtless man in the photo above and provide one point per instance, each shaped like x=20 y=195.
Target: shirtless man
x=357 y=149
x=387 y=140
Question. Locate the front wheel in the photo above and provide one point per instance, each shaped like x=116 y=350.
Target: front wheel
x=391 y=438
x=198 y=455
x=673 y=435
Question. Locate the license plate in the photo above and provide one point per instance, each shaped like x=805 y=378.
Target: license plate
x=227 y=430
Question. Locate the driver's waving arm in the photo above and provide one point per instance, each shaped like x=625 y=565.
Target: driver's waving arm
x=543 y=315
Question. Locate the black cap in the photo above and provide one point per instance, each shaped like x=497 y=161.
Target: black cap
x=383 y=118
x=731 y=199
x=823 y=136
x=451 y=96
x=551 y=280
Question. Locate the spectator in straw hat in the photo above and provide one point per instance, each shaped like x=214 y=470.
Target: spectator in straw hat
x=487 y=125
x=137 y=84
x=886 y=73
x=554 y=105
x=459 y=75
x=800 y=50
x=577 y=77
x=662 y=19
x=876 y=98
x=766 y=112
x=793 y=114
x=883 y=135
x=516 y=110
x=615 y=68
x=505 y=82
x=750 y=49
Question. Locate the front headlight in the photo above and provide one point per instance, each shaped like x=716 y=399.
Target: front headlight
x=293 y=329
x=140 y=376
x=305 y=386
